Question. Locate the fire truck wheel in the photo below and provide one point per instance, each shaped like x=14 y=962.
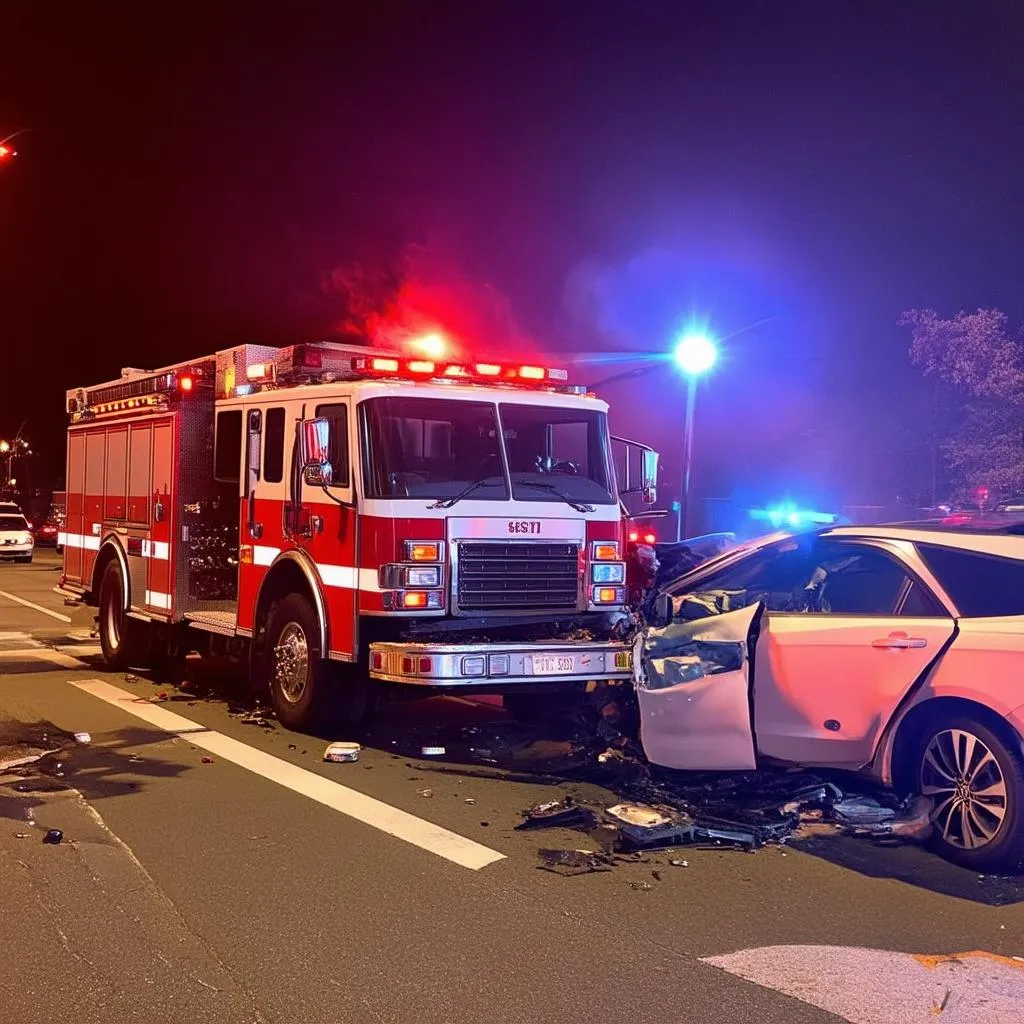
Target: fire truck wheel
x=300 y=683
x=119 y=636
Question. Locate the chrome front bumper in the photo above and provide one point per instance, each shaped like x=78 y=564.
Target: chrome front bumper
x=16 y=550
x=496 y=665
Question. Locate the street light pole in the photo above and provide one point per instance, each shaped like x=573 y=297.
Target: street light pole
x=684 y=490
x=695 y=355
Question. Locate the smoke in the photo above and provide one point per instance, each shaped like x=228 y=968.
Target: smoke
x=388 y=303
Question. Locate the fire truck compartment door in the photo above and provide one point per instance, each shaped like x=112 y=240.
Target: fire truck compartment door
x=693 y=686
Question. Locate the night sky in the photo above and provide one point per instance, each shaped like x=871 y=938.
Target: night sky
x=196 y=171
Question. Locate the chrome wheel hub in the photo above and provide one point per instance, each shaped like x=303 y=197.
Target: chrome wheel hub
x=291 y=662
x=963 y=777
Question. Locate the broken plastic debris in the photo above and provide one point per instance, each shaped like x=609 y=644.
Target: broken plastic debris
x=432 y=751
x=83 y=738
x=638 y=814
x=574 y=862
x=425 y=792
x=22 y=835
x=53 y=836
x=678 y=863
x=342 y=752
x=641 y=886
x=207 y=760
x=565 y=813
x=469 y=800
x=861 y=810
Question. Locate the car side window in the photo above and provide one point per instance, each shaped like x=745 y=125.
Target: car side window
x=980 y=585
x=821 y=577
x=853 y=580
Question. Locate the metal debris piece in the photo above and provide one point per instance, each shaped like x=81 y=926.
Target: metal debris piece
x=53 y=836
x=207 y=760
x=432 y=751
x=83 y=737
x=469 y=800
x=564 y=813
x=641 y=886
x=344 y=752
x=425 y=792
x=573 y=862
x=678 y=863
x=22 y=835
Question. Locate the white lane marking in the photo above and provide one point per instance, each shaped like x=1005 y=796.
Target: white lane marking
x=44 y=654
x=426 y=835
x=878 y=986
x=37 y=607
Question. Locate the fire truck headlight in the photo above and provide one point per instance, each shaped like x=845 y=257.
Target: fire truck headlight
x=605 y=551
x=423 y=551
x=608 y=572
x=425 y=576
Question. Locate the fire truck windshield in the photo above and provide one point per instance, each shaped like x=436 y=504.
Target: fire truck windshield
x=557 y=454
x=436 y=448
x=432 y=448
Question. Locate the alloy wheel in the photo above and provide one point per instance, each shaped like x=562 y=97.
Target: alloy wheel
x=965 y=780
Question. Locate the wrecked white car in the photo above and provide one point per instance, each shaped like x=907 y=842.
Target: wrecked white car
x=896 y=651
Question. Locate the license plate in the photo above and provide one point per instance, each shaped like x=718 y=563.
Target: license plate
x=553 y=664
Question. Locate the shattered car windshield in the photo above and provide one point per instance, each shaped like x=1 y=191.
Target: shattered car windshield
x=557 y=454
x=431 y=448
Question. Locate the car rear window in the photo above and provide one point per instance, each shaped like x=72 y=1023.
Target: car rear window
x=981 y=586
x=13 y=523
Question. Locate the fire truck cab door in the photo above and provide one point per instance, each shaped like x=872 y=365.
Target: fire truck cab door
x=324 y=524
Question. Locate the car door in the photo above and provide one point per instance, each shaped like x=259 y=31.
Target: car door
x=693 y=691
x=829 y=676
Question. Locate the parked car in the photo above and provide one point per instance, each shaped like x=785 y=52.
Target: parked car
x=896 y=651
x=16 y=540
x=45 y=532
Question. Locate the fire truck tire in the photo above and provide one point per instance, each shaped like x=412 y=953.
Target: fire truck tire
x=301 y=688
x=121 y=639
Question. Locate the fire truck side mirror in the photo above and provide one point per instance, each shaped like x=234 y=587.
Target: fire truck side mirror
x=649 y=484
x=314 y=436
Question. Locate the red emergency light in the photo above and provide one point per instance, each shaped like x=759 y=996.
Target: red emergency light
x=421 y=369
x=636 y=537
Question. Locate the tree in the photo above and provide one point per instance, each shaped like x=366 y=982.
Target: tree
x=974 y=357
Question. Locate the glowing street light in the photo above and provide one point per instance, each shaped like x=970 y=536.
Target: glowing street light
x=695 y=354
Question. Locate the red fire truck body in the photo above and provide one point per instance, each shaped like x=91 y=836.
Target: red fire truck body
x=446 y=525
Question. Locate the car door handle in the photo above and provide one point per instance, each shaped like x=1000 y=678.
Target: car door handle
x=899 y=642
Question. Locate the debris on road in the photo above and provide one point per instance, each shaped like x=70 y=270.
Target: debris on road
x=342 y=752
x=206 y=759
x=22 y=835
x=862 y=810
x=564 y=813
x=83 y=737
x=574 y=862
x=425 y=792
x=53 y=836
x=432 y=751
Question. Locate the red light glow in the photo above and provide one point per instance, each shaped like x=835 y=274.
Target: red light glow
x=421 y=366
x=433 y=346
x=532 y=372
x=7 y=152
x=384 y=365
x=186 y=383
x=488 y=369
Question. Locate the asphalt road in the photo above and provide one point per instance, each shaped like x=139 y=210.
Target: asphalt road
x=215 y=870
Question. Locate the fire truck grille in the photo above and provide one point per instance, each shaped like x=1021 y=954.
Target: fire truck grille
x=518 y=577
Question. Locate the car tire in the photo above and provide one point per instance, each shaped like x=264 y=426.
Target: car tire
x=965 y=757
x=119 y=636
x=299 y=676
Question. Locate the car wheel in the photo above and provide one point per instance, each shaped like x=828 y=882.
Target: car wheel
x=119 y=636
x=300 y=676
x=975 y=777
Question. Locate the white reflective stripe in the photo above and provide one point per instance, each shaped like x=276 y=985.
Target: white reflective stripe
x=62 y=538
x=369 y=579
x=343 y=576
x=263 y=555
x=158 y=549
x=155 y=599
x=96 y=529
x=81 y=540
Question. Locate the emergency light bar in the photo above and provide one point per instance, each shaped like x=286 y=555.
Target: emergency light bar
x=423 y=369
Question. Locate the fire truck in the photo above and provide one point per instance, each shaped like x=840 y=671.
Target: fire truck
x=342 y=517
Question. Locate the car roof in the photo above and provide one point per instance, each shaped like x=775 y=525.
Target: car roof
x=995 y=539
